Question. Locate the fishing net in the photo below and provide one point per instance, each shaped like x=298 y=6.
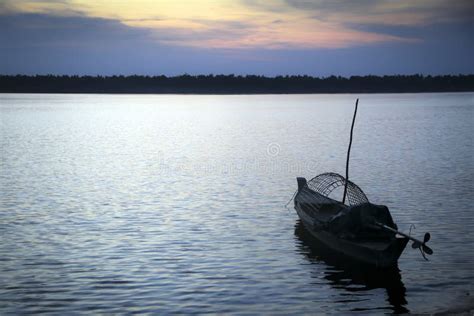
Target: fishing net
x=326 y=183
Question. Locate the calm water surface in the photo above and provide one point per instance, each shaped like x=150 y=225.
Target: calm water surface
x=171 y=203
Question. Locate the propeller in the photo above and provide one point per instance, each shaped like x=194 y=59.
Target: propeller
x=417 y=244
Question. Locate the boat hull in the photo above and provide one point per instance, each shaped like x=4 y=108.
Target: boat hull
x=379 y=254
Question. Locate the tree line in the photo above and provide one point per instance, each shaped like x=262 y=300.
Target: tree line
x=232 y=84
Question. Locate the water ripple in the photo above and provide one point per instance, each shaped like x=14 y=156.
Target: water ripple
x=173 y=204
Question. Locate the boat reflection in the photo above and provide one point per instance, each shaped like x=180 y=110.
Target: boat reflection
x=351 y=276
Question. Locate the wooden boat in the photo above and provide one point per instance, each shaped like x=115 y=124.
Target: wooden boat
x=359 y=229
x=348 y=229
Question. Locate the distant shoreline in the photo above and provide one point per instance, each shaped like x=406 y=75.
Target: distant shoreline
x=230 y=84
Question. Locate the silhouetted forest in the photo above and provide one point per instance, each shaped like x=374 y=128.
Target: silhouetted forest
x=231 y=84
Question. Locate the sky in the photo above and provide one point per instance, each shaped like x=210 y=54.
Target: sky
x=263 y=37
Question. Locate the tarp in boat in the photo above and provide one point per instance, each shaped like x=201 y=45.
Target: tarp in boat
x=358 y=220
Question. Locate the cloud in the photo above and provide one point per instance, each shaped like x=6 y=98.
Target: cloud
x=275 y=25
x=50 y=7
x=269 y=34
x=389 y=12
x=210 y=34
x=296 y=43
x=50 y=30
x=43 y=44
x=359 y=6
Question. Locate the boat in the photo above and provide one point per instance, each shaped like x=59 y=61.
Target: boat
x=348 y=229
x=362 y=231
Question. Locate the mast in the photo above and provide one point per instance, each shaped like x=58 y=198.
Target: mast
x=349 y=153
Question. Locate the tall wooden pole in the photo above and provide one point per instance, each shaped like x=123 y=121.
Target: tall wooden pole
x=349 y=153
